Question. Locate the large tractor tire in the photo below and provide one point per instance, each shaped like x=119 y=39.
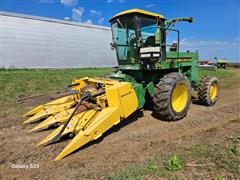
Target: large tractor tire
x=172 y=97
x=208 y=91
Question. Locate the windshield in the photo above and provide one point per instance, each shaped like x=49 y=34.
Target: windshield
x=131 y=34
x=125 y=39
x=149 y=32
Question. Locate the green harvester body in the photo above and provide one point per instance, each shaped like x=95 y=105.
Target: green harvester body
x=137 y=30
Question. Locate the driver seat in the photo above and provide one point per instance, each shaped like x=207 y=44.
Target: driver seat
x=150 y=42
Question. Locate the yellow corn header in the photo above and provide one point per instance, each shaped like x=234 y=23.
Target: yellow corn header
x=97 y=105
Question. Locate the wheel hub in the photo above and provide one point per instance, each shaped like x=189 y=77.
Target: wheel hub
x=213 y=91
x=179 y=97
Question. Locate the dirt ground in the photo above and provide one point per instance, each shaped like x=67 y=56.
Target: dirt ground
x=131 y=141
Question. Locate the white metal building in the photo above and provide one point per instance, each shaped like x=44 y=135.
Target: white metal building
x=37 y=42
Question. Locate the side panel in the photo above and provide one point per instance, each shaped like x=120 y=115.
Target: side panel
x=182 y=62
x=186 y=63
x=122 y=95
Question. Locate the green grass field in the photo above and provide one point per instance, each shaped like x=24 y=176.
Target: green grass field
x=20 y=83
x=225 y=76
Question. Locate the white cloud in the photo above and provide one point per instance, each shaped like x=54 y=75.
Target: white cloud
x=94 y=12
x=206 y=44
x=46 y=1
x=89 y=21
x=100 y=21
x=150 y=5
x=69 y=2
x=77 y=14
x=97 y=14
x=208 y=49
x=111 y=1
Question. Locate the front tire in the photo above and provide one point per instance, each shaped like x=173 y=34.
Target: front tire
x=172 y=97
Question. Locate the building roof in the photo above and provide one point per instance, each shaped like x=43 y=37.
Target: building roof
x=51 y=20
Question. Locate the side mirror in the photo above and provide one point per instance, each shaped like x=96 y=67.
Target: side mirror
x=190 y=19
x=113 y=46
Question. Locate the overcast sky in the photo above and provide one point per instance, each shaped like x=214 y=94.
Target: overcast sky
x=214 y=33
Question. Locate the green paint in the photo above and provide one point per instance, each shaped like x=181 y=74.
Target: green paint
x=151 y=88
x=141 y=68
x=140 y=91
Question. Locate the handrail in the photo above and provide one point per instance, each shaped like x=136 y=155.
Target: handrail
x=170 y=29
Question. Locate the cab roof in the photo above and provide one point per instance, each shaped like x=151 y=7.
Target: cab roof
x=139 y=11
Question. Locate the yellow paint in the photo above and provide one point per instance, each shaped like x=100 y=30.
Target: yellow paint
x=104 y=121
x=213 y=91
x=118 y=102
x=48 y=110
x=59 y=101
x=222 y=61
x=76 y=124
x=102 y=101
x=179 y=97
x=122 y=95
x=138 y=11
x=52 y=120
x=179 y=60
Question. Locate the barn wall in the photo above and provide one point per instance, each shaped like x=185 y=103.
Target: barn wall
x=36 y=42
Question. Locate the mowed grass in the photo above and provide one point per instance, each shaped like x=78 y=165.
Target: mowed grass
x=15 y=83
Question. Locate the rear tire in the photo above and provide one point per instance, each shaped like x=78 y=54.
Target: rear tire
x=172 y=97
x=208 y=91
